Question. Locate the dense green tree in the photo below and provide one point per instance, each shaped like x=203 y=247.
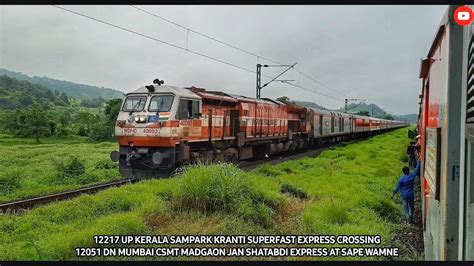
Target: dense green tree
x=64 y=98
x=85 y=118
x=92 y=103
x=31 y=122
x=38 y=122
x=100 y=131
x=283 y=99
x=26 y=100
x=112 y=109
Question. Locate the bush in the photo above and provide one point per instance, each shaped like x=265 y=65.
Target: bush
x=10 y=181
x=99 y=132
x=210 y=188
x=70 y=169
x=227 y=189
x=63 y=132
x=106 y=164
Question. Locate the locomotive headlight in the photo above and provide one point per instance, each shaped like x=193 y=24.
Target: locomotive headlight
x=136 y=118
x=142 y=119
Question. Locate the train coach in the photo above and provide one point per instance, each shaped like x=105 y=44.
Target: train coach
x=446 y=128
x=160 y=127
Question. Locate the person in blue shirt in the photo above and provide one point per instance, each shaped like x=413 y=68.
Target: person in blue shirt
x=405 y=186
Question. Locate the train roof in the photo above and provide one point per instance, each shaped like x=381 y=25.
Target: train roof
x=178 y=91
x=329 y=112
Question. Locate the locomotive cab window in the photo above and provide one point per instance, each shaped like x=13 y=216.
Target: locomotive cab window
x=134 y=103
x=188 y=109
x=161 y=103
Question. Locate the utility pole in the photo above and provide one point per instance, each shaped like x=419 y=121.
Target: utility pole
x=348 y=100
x=259 y=76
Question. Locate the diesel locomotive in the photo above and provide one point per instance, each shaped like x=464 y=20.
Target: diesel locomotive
x=160 y=127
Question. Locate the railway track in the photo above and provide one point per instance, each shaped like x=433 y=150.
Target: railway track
x=33 y=202
x=248 y=165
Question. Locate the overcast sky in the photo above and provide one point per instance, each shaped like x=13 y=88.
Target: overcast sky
x=369 y=52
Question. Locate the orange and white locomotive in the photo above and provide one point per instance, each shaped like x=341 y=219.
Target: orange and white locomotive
x=161 y=126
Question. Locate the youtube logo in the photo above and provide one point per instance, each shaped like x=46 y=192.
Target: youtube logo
x=463 y=15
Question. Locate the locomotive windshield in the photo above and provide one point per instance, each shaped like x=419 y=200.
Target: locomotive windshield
x=134 y=104
x=161 y=103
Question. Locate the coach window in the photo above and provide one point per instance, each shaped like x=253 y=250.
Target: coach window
x=188 y=109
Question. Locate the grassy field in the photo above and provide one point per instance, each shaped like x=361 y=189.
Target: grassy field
x=344 y=191
x=32 y=169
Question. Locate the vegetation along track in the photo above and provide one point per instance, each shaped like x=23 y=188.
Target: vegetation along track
x=248 y=165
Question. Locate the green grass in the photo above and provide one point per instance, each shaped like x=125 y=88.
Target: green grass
x=32 y=169
x=346 y=190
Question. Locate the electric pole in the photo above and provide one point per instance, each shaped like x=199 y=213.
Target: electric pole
x=259 y=76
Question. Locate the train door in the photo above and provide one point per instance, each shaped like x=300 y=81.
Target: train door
x=234 y=122
x=225 y=126
x=210 y=116
x=332 y=124
x=321 y=125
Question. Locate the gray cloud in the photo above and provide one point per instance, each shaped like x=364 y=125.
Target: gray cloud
x=369 y=52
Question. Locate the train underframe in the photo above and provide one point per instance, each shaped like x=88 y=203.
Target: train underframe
x=158 y=162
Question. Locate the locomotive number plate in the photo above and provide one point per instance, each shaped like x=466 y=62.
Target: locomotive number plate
x=151 y=131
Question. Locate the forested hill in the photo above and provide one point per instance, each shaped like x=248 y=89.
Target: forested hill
x=375 y=111
x=32 y=110
x=79 y=91
x=20 y=94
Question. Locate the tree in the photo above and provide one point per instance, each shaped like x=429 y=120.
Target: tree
x=99 y=131
x=37 y=122
x=112 y=109
x=283 y=99
x=92 y=103
x=26 y=100
x=388 y=117
x=64 y=98
x=366 y=113
x=85 y=118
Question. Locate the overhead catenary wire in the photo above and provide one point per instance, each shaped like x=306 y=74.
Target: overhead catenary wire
x=155 y=39
x=182 y=48
x=237 y=48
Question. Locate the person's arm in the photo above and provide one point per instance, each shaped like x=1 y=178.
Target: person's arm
x=397 y=188
x=416 y=171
